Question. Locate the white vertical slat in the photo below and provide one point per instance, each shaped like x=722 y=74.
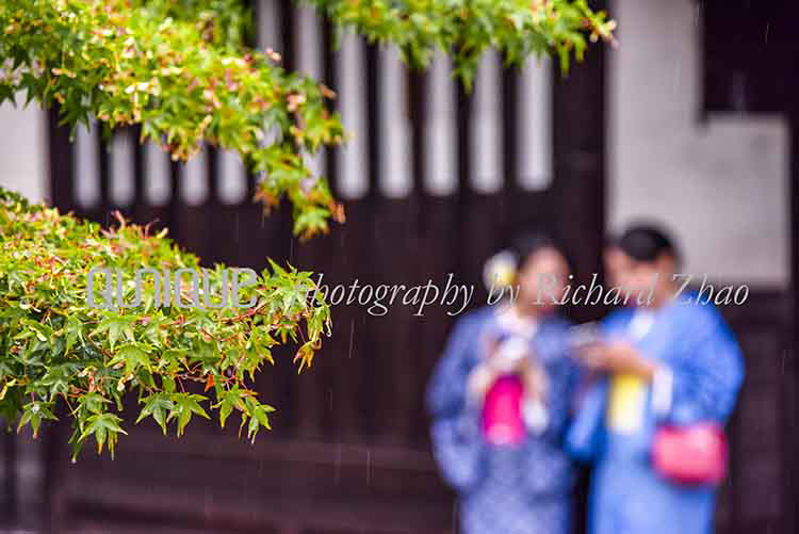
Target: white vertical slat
x=308 y=43
x=486 y=131
x=24 y=150
x=85 y=167
x=232 y=177
x=268 y=33
x=193 y=185
x=440 y=151
x=121 y=187
x=353 y=182
x=156 y=175
x=395 y=150
x=535 y=126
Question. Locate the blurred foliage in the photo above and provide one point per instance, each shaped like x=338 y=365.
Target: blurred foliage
x=180 y=360
x=185 y=77
x=465 y=29
x=183 y=70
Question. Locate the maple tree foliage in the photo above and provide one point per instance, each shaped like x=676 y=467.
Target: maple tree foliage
x=57 y=345
x=183 y=72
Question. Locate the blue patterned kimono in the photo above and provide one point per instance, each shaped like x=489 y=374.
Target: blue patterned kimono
x=698 y=353
x=503 y=489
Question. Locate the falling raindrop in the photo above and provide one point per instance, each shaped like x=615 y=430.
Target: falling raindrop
x=337 y=467
x=368 y=467
x=352 y=334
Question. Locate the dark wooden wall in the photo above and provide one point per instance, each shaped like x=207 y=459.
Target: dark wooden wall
x=750 y=66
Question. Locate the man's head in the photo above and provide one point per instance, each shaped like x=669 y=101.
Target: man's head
x=640 y=255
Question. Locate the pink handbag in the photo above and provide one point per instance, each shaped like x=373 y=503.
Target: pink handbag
x=691 y=455
x=502 y=420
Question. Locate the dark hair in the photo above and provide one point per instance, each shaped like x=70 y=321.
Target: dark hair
x=646 y=242
x=526 y=244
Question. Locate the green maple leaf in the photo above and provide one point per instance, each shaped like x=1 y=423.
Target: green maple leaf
x=116 y=326
x=186 y=404
x=133 y=356
x=158 y=407
x=105 y=428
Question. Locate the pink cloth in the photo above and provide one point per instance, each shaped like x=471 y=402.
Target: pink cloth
x=502 y=420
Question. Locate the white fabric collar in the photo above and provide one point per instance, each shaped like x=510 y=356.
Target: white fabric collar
x=641 y=323
x=510 y=320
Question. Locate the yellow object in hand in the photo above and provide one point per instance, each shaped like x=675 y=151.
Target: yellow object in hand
x=626 y=403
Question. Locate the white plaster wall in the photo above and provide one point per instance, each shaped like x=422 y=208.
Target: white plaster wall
x=722 y=185
x=23 y=150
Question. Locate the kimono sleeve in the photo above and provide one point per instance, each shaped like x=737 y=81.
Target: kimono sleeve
x=446 y=391
x=455 y=434
x=584 y=438
x=701 y=382
x=459 y=450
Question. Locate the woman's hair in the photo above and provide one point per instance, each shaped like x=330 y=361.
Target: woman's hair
x=646 y=242
x=526 y=244
x=504 y=266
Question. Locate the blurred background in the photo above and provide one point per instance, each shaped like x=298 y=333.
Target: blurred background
x=693 y=121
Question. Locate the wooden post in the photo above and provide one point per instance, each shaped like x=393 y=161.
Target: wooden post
x=579 y=164
x=791 y=440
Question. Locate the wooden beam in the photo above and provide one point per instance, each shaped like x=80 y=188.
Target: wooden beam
x=60 y=162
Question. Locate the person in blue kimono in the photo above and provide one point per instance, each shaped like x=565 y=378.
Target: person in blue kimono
x=664 y=359
x=502 y=364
